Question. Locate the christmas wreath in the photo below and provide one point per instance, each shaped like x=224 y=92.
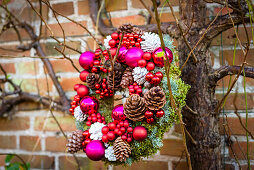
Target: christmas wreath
x=131 y=65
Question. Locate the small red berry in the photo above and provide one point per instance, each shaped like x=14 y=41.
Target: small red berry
x=160 y=113
x=159 y=74
x=148 y=114
x=104 y=138
x=114 y=35
x=105 y=130
x=124 y=137
x=129 y=129
x=112 y=43
x=88 y=123
x=149 y=76
x=147 y=56
x=111 y=136
x=150 y=66
x=112 y=126
x=142 y=63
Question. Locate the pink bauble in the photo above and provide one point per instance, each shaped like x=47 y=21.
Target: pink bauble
x=89 y=104
x=139 y=133
x=117 y=113
x=132 y=56
x=121 y=55
x=86 y=59
x=95 y=150
x=159 y=61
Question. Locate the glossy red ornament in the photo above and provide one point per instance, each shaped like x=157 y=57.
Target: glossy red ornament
x=83 y=75
x=150 y=66
x=117 y=113
x=83 y=91
x=86 y=59
x=104 y=138
x=105 y=130
x=111 y=136
x=159 y=74
x=147 y=56
x=142 y=63
x=149 y=76
x=114 y=35
x=148 y=114
x=112 y=126
x=139 y=133
x=76 y=86
x=112 y=43
x=159 y=60
x=86 y=134
x=89 y=104
x=155 y=80
x=160 y=113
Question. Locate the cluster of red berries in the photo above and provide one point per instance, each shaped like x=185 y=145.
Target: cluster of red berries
x=135 y=89
x=74 y=104
x=87 y=140
x=92 y=118
x=131 y=40
x=103 y=90
x=154 y=79
x=97 y=64
x=149 y=115
x=114 y=129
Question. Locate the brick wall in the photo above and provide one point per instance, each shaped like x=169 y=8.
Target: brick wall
x=33 y=133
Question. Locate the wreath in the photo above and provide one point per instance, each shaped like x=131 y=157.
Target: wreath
x=131 y=65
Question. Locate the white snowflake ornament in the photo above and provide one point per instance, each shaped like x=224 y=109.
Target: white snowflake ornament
x=95 y=131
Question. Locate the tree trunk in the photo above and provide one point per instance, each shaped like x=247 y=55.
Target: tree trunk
x=203 y=127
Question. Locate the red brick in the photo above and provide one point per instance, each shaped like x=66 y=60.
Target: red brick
x=70 y=29
x=11 y=35
x=8 y=142
x=27 y=67
x=17 y=123
x=138 y=4
x=2 y=160
x=136 y=20
x=65 y=66
x=68 y=83
x=83 y=7
x=180 y=165
x=67 y=163
x=29 y=106
x=8 y=67
x=235 y=127
x=12 y=51
x=249 y=81
x=56 y=144
x=172 y=147
x=30 y=143
x=64 y=8
x=166 y=17
x=239 y=57
x=239 y=102
x=240 y=149
x=66 y=122
x=92 y=44
x=224 y=11
x=116 y=5
x=144 y=165
x=37 y=161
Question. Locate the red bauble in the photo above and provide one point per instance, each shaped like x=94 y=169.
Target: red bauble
x=129 y=140
x=86 y=134
x=122 y=129
x=114 y=35
x=112 y=43
x=83 y=91
x=142 y=63
x=111 y=136
x=149 y=76
x=139 y=133
x=104 y=138
x=105 y=130
x=150 y=66
x=112 y=126
x=147 y=56
x=88 y=123
x=83 y=75
x=155 y=80
x=159 y=74
x=76 y=86
x=160 y=113
x=129 y=129
x=148 y=114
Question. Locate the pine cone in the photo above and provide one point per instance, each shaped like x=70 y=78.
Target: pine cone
x=137 y=31
x=92 y=79
x=127 y=78
x=126 y=28
x=155 y=98
x=122 y=149
x=139 y=75
x=134 y=108
x=117 y=66
x=75 y=142
x=117 y=81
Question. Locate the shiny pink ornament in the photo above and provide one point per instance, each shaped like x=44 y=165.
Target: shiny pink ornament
x=117 y=113
x=132 y=56
x=89 y=105
x=159 y=61
x=95 y=150
x=86 y=59
x=121 y=56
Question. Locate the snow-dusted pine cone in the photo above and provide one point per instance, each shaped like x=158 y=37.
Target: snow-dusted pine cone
x=122 y=149
x=127 y=78
x=139 y=75
x=92 y=79
x=79 y=115
x=75 y=142
x=138 y=31
x=155 y=98
x=117 y=80
x=150 y=42
x=134 y=108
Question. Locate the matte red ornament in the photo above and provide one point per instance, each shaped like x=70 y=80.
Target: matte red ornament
x=83 y=75
x=114 y=35
x=111 y=136
x=76 y=86
x=159 y=74
x=105 y=130
x=148 y=114
x=150 y=66
x=149 y=76
x=112 y=43
x=139 y=133
x=147 y=56
x=142 y=63
x=112 y=126
x=160 y=113
x=89 y=104
x=83 y=91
